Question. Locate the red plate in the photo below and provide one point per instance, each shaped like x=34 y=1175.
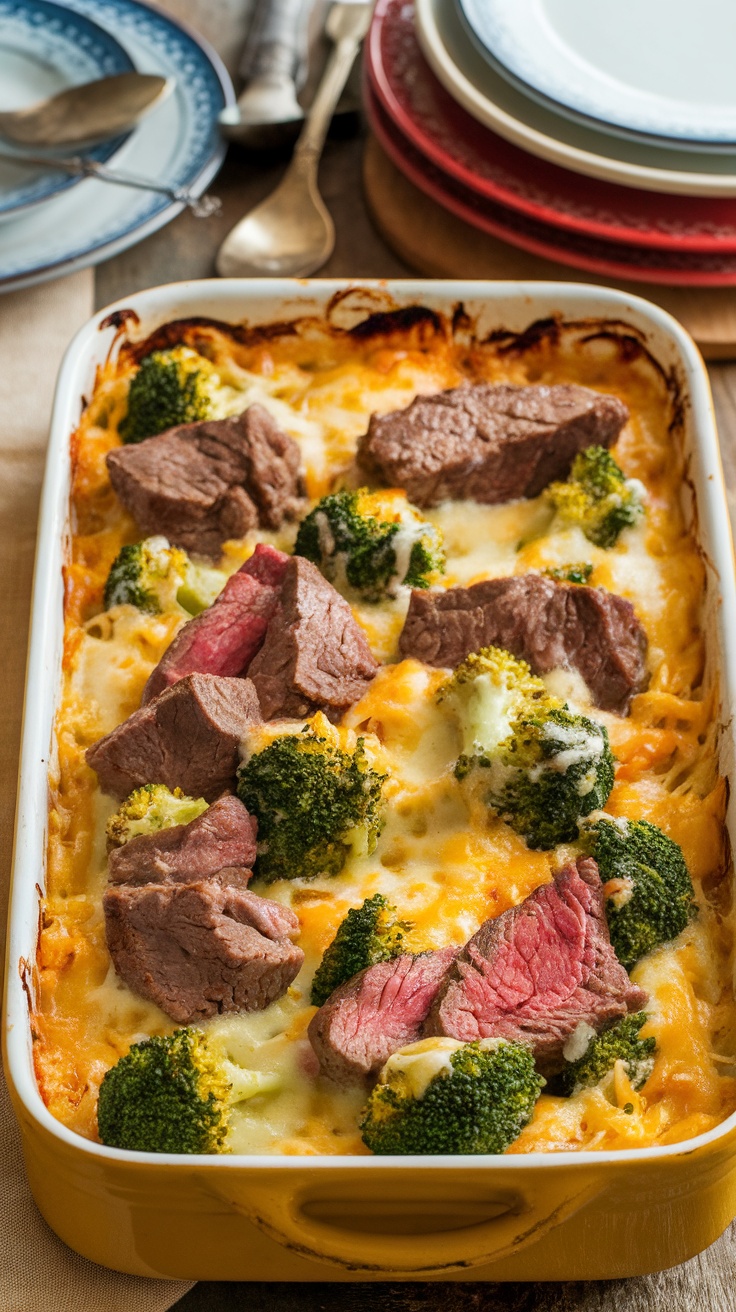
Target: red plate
x=610 y=259
x=495 y=170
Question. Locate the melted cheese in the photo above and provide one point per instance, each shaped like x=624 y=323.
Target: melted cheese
x=441 y=859
x=418 y=1064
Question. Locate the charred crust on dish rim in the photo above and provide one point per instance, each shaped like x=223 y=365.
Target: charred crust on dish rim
x=185 y=332
x=384 y=323
x=386 y=319
x=119 y=319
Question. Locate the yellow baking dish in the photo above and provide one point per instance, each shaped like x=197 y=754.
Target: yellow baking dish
x=535 y=1216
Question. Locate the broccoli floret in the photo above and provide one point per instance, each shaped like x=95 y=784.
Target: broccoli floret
x=546 y=766
x=372 y=543
x=150 y=808
x=554 y=768
x=620 y=1043
x=442 y=1096
x=368 y=934
x=170 y=387
x=154 y=577
x=315 y=804
x=173 y=1095
x=577 y=572
x=146 y=575
x=488 y=691
x=597 y=497
x=649 y=892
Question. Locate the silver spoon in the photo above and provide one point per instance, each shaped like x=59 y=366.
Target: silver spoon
x=88 y=113
x=291 y=234
x=267 y=113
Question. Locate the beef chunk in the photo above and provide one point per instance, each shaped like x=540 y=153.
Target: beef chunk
x=547 y=624
x=202 y=948
x=280 y=621
x=225 y=637
x=487 y=443
x=375 y=1013
x=200 y=484
x=315 y=655
x=188 y=737
x=535 y=972
x=223 y=838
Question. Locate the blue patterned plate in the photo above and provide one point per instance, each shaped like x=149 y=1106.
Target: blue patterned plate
x=177 y=144
x=45 y=48
x=652 y=70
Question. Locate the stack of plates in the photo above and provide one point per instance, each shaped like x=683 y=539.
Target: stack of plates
x=51 y=223
x=600 y=136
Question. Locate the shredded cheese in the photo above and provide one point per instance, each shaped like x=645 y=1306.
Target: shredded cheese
x=441 y=859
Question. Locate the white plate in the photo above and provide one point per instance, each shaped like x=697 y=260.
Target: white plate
x=661 y=69
x=45 y=48
x=177 y=144
x=493 y=101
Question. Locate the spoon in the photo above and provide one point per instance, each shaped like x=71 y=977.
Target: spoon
x=87 y=113
x=267 y=113
x=291 y=234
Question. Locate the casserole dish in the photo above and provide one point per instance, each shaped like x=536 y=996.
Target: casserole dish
x=536 y=1216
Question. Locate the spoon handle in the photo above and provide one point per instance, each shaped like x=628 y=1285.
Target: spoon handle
x=350 y=32
x=201 y=206
x=275 y=40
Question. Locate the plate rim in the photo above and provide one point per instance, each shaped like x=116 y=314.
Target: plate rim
x=106 y=150
x=545 y=146
x=617 y=129
x=145 y=227
x=378 y=77
x=536 y=246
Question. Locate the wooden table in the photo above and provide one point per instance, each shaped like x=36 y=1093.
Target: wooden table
x=185 y=249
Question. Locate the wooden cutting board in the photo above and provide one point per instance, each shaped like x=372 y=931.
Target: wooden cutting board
x=435 y=242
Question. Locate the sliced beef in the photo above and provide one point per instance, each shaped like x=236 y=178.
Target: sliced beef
x=188 y=737
x=547 y=624
x=225 y=637
x=535 y=972
x=375 y=1013
x=200 y=484
x=222 y=839
x=201 y=948
x=487 y=443
x=315 y=655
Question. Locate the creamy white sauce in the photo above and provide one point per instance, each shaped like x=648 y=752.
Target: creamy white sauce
x=569 y=687
x=579 y=746
x=481 y=541
x=418 y=1064
x=577 y=1045
x=403 y=543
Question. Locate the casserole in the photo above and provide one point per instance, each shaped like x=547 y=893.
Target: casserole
x=497 y=1218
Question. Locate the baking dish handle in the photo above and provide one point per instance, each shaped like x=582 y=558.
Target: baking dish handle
x=290 y=1216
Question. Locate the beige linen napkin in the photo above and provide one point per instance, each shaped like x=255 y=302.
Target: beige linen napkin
x=36 y=1269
